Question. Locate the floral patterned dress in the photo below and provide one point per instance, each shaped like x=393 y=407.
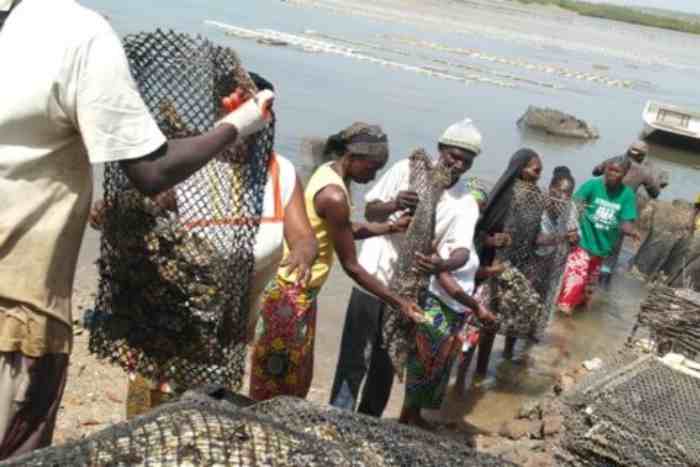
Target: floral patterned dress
x=437 y=342
x=283 y=355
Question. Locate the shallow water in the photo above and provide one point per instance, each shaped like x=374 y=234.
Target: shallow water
x=506 y=57
x=535 y=368
x=416 y=67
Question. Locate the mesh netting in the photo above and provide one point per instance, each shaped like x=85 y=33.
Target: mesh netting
x=196 y=432
x=634 y=411
x=523 y=296
x=199 y=430
x=429 y=183
x=378 y=442
x=672 y=318
x=175 y=270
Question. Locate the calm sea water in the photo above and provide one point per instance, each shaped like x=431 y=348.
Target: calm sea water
x=514 y=57
x=320 y=93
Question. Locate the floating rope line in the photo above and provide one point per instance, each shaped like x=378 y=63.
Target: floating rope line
x=311 y=45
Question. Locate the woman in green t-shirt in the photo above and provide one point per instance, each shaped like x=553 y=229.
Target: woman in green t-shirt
x=609 y=210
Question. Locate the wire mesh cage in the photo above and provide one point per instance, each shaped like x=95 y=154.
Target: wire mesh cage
x=229 y=430
x=378 y=442
x=175 y=269
x=636 y=410
x=524 y=294
x=429 y=181
x=672 y=319
x=196 y=432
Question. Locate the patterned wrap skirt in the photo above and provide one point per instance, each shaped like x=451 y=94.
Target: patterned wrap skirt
x=429 y=364
x=471 y=334
x=283 y=354
x=580 y=277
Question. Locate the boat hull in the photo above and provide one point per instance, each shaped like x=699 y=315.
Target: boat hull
x=674 y=120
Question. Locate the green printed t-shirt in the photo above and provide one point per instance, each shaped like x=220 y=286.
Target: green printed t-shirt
x=605 y=212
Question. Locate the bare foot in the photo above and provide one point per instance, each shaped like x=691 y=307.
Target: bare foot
x=413 y=417
x=566 y=311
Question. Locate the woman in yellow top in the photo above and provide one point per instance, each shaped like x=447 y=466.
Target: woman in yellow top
x=282 y=359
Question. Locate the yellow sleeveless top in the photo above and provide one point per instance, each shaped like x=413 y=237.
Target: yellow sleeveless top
x=324 y=176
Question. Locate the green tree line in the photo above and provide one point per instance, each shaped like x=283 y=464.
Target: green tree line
x=621 y=13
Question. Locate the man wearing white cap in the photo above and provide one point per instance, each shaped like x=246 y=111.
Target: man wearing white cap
x=456 y=217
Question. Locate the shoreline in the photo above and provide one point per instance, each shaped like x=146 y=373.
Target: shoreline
x=95 y=393
x=623 y=14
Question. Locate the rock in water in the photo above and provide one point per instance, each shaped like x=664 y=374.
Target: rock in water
x=557 y=123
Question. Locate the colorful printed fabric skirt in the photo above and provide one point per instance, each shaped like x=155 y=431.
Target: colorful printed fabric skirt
x=580 y=276
x=470 y=334
x=430 y=362
x=283 y=354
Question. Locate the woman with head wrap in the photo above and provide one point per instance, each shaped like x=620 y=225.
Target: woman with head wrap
x=282 y=359
x=501 y=232
x=559 y=233
x=560 y=218
x=610 y=208
x=455 y=219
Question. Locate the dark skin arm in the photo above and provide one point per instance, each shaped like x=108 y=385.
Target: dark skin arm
x=379 y=211
x=548 y=240
x=364 y=230
x=331 y=204
x=629 y=230
x=433 y=264
x=303 y=247
x=486 y=272
x=177 y=159
x=498 y=240
x=450 y=285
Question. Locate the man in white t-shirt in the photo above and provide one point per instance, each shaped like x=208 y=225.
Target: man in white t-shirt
x=456 y=217
x=67 y=101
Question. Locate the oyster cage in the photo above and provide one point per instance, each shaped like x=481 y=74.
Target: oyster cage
x=524 y=295
x=672 y=319
x=200 y=430
x=634 y=411
x=429 y=181
x=175 y=269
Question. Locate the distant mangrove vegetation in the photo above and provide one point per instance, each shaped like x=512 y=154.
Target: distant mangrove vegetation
x=624 y=14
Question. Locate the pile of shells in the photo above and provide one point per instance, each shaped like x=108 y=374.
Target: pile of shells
x=169 y=294
x=518 y=307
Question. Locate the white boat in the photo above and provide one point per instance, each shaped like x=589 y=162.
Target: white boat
x=667 y=118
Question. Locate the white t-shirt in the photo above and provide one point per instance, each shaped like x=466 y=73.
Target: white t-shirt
x=269 y=242
x=67 y=99
x=456 y=217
